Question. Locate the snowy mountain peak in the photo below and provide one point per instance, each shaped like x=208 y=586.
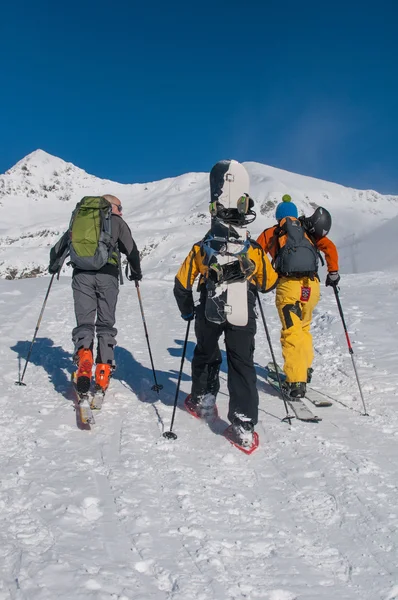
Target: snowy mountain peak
x=38 y=194
x=39 y=158
x=42 y=164
x=42 y=177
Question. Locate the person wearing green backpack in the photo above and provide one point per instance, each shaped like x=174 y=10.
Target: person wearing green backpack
x=97 y=234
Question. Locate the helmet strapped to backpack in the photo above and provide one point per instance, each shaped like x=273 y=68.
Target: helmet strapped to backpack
x=319 y=224
x=239 y=216
x=90 y=234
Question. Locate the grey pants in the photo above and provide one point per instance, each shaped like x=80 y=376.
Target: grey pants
x=95 y=295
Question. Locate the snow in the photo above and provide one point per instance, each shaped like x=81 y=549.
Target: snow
x=375 y=251
x=121 y=513
x=38 y=194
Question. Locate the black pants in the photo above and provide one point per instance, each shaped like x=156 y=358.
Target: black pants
x=242 y=379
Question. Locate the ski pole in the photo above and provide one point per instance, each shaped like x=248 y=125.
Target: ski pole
x=351 y=351
x=170 y=434
x=20 y=382
x=157 y=386
x=288 y=417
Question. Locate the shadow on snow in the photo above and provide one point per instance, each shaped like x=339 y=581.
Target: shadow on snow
x=58 y=364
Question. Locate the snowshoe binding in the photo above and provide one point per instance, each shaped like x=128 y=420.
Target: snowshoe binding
x=241 y=434
x=205 y=408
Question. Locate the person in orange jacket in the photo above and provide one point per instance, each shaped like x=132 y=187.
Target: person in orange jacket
x=294 y=245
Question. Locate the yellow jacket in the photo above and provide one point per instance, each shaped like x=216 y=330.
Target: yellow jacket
x=263 y=278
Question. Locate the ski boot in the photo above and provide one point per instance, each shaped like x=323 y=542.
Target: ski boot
x=103 y=373
x=83 y=376
x=296 y=389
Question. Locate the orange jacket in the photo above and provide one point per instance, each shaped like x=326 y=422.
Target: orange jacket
x=269 y=243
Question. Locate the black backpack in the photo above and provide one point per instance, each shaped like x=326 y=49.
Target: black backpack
x=297 y=253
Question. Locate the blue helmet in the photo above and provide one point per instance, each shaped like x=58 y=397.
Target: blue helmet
x=286 y=208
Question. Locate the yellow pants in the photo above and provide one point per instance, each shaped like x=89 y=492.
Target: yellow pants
x=295 y=301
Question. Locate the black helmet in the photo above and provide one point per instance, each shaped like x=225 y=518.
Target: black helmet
x=319 y=224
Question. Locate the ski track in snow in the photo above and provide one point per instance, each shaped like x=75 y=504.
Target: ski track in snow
x=120 y=513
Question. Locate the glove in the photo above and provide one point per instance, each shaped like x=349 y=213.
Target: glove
x=53 y=268
x=131 y=274
x=189 y=317
x=332 y=279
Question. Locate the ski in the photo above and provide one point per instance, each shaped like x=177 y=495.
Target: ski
x=97 y=400
x=86 y=414
x=301 y=411
x=83 y=405
x=316 y=398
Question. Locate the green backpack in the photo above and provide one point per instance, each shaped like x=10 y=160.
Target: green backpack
x=90 y=234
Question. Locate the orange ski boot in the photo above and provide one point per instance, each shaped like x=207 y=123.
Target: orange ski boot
x=103 y=374
x=83 y=375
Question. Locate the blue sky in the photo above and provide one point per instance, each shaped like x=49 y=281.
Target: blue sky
x=139 y=91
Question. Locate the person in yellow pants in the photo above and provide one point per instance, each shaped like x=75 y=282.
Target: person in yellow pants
x=295 y=309
x=294 y=246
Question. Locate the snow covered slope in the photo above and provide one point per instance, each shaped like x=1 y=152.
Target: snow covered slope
x=120 y=513
x=38 y=194
x=373 y=251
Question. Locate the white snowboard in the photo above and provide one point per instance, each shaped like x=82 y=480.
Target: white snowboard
x=229 y=180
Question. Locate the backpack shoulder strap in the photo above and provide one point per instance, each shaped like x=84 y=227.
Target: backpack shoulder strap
x=106 y=218
x=279 y=231
x=74 y=213
x=255 y=244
